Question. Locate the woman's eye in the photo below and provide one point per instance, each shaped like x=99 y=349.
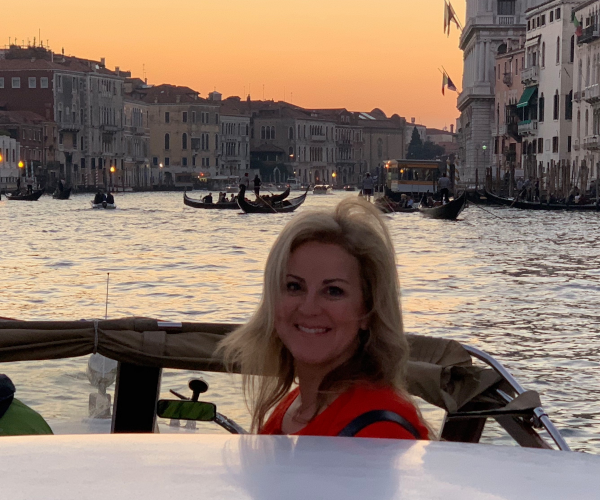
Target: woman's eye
x=335 y=291
x=293 y=286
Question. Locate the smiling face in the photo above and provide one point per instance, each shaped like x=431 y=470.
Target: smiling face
x=321 y=308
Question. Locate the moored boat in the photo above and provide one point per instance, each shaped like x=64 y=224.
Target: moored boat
x=449 y=211
x=529 y=205
x=27 y=196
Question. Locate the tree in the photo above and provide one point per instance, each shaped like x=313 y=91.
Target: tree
x=415 y=146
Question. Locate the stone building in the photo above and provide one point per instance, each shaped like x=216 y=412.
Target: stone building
x=9 y=163
x=488 y=25
x=136 y=172
x=81 y=96
x=507 y=143
x=235 y=136
x=184 y=135
x=585 y=153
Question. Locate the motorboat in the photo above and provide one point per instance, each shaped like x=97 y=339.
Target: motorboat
x=322 y=189
x=468 y=384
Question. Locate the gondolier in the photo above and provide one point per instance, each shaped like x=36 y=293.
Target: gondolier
x=368 y=186
x=257 y=184
x=444 y=185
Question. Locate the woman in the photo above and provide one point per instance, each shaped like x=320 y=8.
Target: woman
x=329 y=319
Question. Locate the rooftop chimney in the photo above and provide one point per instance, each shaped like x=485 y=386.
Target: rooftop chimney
x=412 y=120
x=117 y=70
x=451 y=129
x=102 y=62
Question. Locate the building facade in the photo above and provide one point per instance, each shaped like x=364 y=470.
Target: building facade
x=235 y=136
x=9 y=163
x=488 y=25
x=136 y=171
x=184 y=135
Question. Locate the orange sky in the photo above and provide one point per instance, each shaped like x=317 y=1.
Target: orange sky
x=323 y=53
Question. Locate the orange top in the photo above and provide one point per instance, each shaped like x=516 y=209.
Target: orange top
x=359 y=399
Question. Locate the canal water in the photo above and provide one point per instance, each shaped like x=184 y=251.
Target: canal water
x=523 y=286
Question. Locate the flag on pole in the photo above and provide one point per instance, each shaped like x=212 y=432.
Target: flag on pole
x=447 y=82
x=575 y=21
x=449 y=17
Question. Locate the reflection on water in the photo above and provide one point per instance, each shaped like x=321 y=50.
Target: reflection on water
x=523 y=286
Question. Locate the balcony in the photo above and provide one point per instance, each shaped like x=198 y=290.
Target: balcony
x=530 y=75
x=318 y=138
x=110 y=129
x=592 y=143
x=528 y=127
x=589 y=34
x=507 y=79
x=506 y=20
x=591 y=94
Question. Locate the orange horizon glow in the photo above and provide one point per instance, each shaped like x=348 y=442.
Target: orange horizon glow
x=335 y=54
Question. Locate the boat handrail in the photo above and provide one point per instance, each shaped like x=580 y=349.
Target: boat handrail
x=539 y=412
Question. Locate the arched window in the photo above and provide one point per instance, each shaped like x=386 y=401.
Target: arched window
x=541 y=103
x=291 y=133
x=167 y=141
x=263 y=133
x=272 y=132
x=558 y=50
x=184 y=141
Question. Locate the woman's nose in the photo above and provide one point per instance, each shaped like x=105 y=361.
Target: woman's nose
x=310 y=304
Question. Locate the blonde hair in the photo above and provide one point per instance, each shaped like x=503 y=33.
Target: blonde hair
x=267 y=365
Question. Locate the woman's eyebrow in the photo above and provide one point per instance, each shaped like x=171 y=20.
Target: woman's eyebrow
x=333 y=280
x=295 y=277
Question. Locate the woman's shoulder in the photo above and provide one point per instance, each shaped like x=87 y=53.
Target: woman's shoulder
x=275 y=420
x=364 y=398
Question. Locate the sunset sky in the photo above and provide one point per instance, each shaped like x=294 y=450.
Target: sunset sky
x=321 y=53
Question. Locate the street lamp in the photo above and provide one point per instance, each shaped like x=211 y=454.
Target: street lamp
x=160 y=166
x=334 y=175
x=112 y=182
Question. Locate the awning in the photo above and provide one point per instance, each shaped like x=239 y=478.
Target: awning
x=526 y=97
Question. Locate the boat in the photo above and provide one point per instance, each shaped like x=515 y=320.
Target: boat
x=26 y=197
x=529 y=205
x=284 y=206
x=105 y=205
x=322 y=189
x=349 y=188
x=190 y=202
x=241 y=466
x=62 y=195
x=388 y=207
x=449 y=211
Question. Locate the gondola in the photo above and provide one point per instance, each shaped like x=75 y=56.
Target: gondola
x=478 y=198
x=230 y=205
x=389 y=207
x=62 y=195
x=274 y=208
x=528 y=205
x=103 y=205
x=27 y=197
x=449 y=211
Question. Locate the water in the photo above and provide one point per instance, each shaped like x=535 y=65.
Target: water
x=523 y=286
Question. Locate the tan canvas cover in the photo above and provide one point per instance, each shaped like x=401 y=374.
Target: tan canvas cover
x=440 y=371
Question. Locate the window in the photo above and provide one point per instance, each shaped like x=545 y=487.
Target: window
x=506 y=7
x=568 y=144
x=291 y=133
x=184 y=117
x=555 y=144
x=1 y=82
x=541 y=102
x=155 y=161
x=540 y=144
x=569 y=106
x=543 y=19
x=556 y=105
x=558 y=13
x=193 y=117
x=216 y=118
x=16 y=82
x=272 y=132
x=558 y=50
x=528 y=25
x=263 y=134
x=543 y=58
x=184 y=141
x=572 y=57
x=167 y=161
x=167 y=141
x=167 y=118
x=551 y=16
x=216 y=141
x=32 y=82
x=59 y=82
x=184 y=161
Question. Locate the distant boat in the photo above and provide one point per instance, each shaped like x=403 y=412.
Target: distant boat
x=284 y=206
x=62 y=195
x=103 y=205
x=27 y=197
x=322 y=189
